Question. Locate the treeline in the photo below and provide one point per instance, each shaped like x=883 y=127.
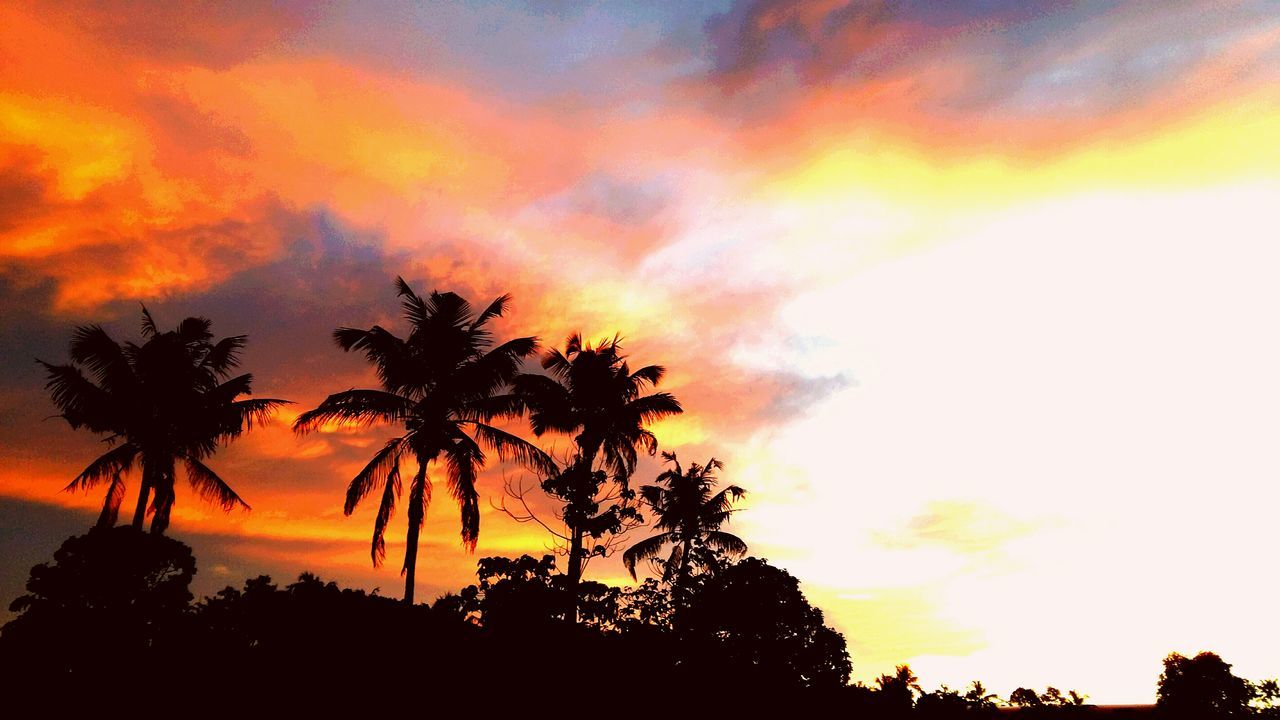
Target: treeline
x=113 y=611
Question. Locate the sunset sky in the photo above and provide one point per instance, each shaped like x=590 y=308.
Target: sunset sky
x=977 y=298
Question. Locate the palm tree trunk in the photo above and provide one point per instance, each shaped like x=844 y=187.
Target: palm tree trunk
x=583 y=486
x=144 y=495
x=162 y=482
x=410 y=560
x=682 y=575
x=574 y=574
x=417 y=512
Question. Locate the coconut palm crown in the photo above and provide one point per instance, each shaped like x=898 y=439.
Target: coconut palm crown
x=688 y=512
x=443 y=384
x=591 y=393
x=174 y=399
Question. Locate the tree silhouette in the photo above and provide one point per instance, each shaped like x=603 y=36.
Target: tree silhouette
x=593 y=393
x=751 y=625
x=896 y=693
x=172 y=399
x=108 y=597
x=1202 y=687
x=689 y=513
x=443 y=383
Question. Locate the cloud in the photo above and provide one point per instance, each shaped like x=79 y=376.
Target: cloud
x=963 y=527
x=1014 y=77
x=211 y=34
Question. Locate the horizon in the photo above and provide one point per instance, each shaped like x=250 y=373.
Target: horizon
x=976 y=300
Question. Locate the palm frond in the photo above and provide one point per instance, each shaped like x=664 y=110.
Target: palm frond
x=655 y=407
x=650 y=374
x=112 y=463
x=93 y=348
x=149 y=327
x=549 y=403
x=486 y=409
x=414 y=308
x=644 y=550
x=724 y=499
x=211 y=487
x=195 y=330
x=230 y=389
x=390 y=493
x=557 y=362
x=384 y=350
x=82 y=403
x=498 y=367
x=362 y=407
x=111 y=503
x=511 y=448
x=497 y=308
x=255 y=411
x=419 y=501
x=225 y=355
x=462 y=462
x=373 y=474
x=726 y=542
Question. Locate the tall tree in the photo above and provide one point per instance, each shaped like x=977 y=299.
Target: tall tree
x=689 y=512
x=172 y=399
x=443 y=384
x=592 y=393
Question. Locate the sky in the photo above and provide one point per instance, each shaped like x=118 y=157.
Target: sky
x=975 y=298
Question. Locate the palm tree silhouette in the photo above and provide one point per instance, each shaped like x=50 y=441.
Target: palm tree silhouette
x=443 y=383
x=690 y=513
x=592 y=391
x=171 y=399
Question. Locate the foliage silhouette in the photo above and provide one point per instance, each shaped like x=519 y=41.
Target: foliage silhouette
x=1202 y=686
x=689 y=513
x=109 y=596
x=525 y=595
x=592 y=392
x=444 y=383
x=113 y=607
x=751 y=624
x=172 y=399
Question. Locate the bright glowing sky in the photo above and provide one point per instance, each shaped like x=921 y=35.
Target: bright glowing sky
x=977 y=297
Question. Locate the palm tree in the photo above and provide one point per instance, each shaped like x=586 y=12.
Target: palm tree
x=171 y=399
x=592 y=392
x=689 y=513
x=443 y=384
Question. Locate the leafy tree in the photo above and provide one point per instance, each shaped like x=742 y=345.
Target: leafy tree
x=978 y=698
x=592 y=393
x=689 y=512
x=648 y=605
x=443 y=383
x=525 y=594
x=896 y=693
x=1202 y=686
x=1025 y=698
x=1266 y=698
x=752 y=624
x=172 y=399
x=108 y=597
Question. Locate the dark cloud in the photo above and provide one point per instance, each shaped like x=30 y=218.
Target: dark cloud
x=1041 y=58
x=23 y=193
x=793 y=394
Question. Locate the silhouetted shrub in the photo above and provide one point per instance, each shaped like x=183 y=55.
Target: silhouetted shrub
x=751 y=622
x=1202 y=686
